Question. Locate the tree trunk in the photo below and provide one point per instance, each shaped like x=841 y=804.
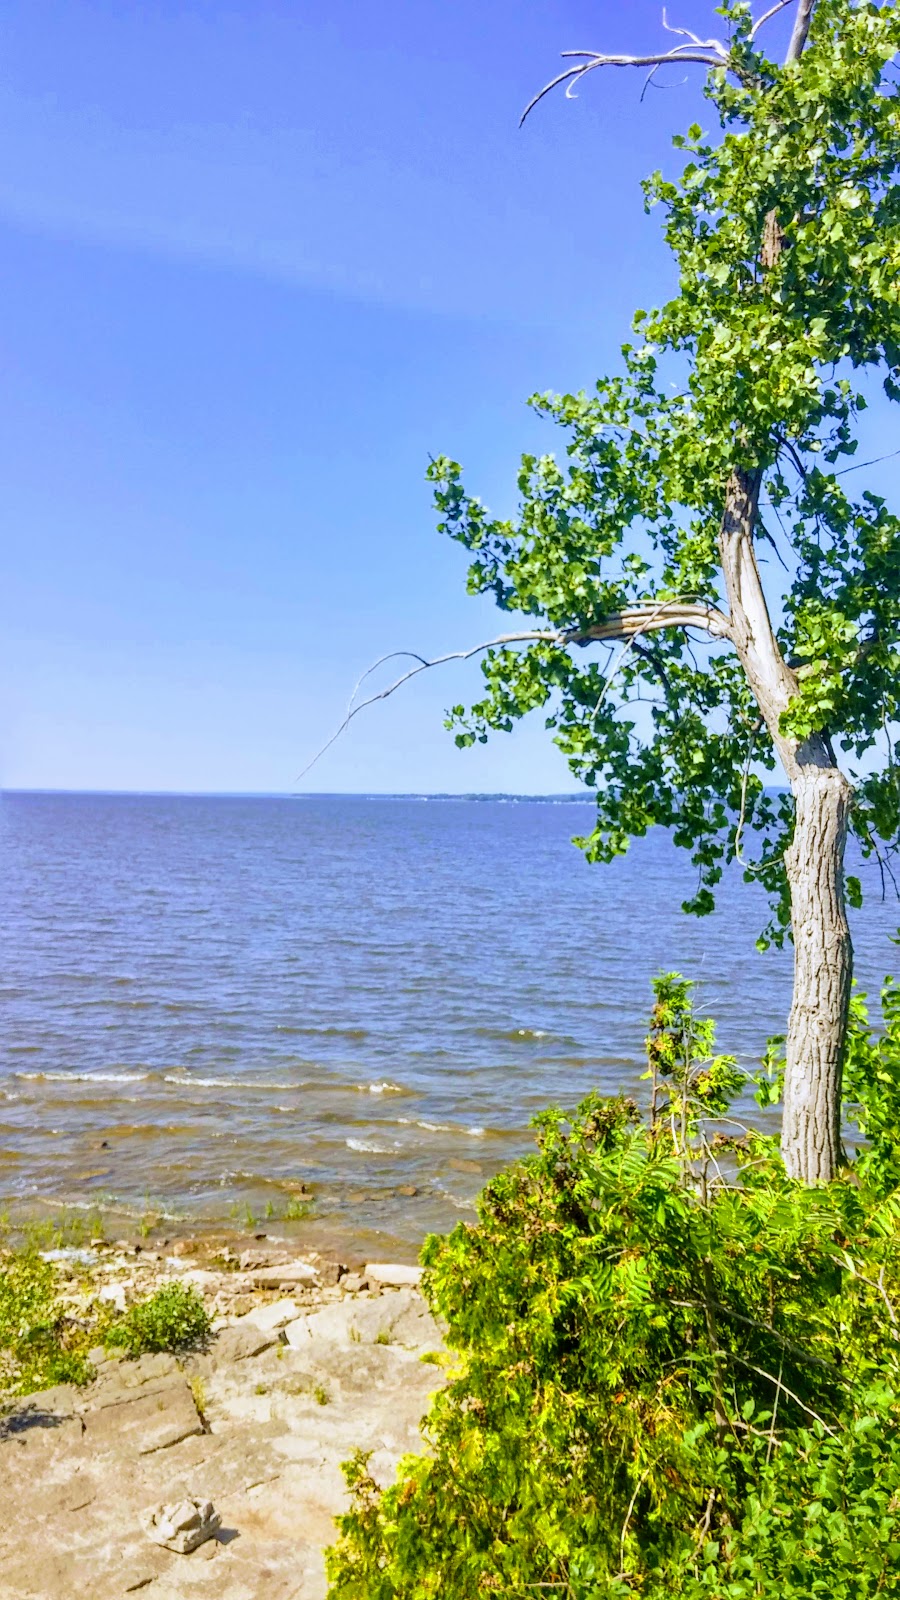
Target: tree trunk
x=800 y=31
x=823 y=965
x=823 y=955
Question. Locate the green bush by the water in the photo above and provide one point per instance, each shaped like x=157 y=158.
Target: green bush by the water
x=39 y=1345
x=677 y=1370
x=174 y=1318
x=42 y=1344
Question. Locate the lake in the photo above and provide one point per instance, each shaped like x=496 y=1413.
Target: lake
x=210 y=1002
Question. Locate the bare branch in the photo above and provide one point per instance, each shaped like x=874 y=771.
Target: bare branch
x=693 y=38
x=650 y=83
x=454 y=655
x=648 y=654
x=799 y=1350
x=801 y=31
x=704 y=52
x=732 y=1355
x=743 y=813
x=768 y=15
x=623 y=625
x=713 y=55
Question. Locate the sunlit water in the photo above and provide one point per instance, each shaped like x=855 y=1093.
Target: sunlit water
x=207 y=1002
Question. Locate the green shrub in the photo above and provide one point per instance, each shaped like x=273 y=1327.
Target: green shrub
x=677 y=1371
x=38 y=1346
x=174 y=1318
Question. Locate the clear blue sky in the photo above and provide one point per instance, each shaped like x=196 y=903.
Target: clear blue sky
x=257 y=260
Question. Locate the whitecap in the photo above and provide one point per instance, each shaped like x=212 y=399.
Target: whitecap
x=461 y=1205
x=369 y=1147
x=429 y=1127
x=85 y=1077
x=385 y=1087
x=222 y=1083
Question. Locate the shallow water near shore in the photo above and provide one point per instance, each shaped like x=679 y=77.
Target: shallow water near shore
x=208 y=1004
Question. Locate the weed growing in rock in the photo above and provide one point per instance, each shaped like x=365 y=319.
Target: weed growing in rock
x=39 y=1345
x=198 y=1391
x=174 y=1318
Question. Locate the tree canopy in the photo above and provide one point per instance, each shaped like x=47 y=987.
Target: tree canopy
x=786 y=236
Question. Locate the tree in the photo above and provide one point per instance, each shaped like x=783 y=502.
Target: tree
x=723 y=434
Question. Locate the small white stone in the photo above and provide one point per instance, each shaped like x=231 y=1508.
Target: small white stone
x=298 y=1333
x=181 y=1525
x=115 y=1293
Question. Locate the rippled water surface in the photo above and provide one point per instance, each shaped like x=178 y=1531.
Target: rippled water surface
x=207 y=1002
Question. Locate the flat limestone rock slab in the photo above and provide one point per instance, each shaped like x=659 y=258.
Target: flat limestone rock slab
x=120 y=1379
x=401 y=1318
x=78 y=1467
x=288 y=1272
x=271 y=1317
x=241 y=1342
x=391 y=1275
x=144 y=1421
x=39 y=1409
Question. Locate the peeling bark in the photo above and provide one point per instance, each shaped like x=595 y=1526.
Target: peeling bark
x=823 y=967
x=823 y=954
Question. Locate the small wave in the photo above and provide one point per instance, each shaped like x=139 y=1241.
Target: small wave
x=517 y=1035
x=322 y=1032
x=385 y=1087
x=85 y=1077
x=370 y=1148
x=429 y=1127
x=443 y=1127
x=225 y=1083
x=461 y=1205
x=122 y=1209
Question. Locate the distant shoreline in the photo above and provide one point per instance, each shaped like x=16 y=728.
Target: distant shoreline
x=586 y=797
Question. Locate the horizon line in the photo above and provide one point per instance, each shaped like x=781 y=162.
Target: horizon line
x=571 y=795
x=308 y=794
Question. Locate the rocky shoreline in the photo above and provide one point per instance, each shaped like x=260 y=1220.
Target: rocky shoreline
x=308 y=1361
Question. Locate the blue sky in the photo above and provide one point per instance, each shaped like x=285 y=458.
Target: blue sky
x=257 y=260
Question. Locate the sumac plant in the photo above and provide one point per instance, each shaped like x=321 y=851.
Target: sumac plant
x=677 y=1370
x=726 y=434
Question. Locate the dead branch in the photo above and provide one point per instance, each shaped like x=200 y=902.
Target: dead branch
x=623 y=625
x=732 y=1355
x=703 y=52
x=768 y=15
x=649 y=618
x=534 y=637
x=712 y=54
